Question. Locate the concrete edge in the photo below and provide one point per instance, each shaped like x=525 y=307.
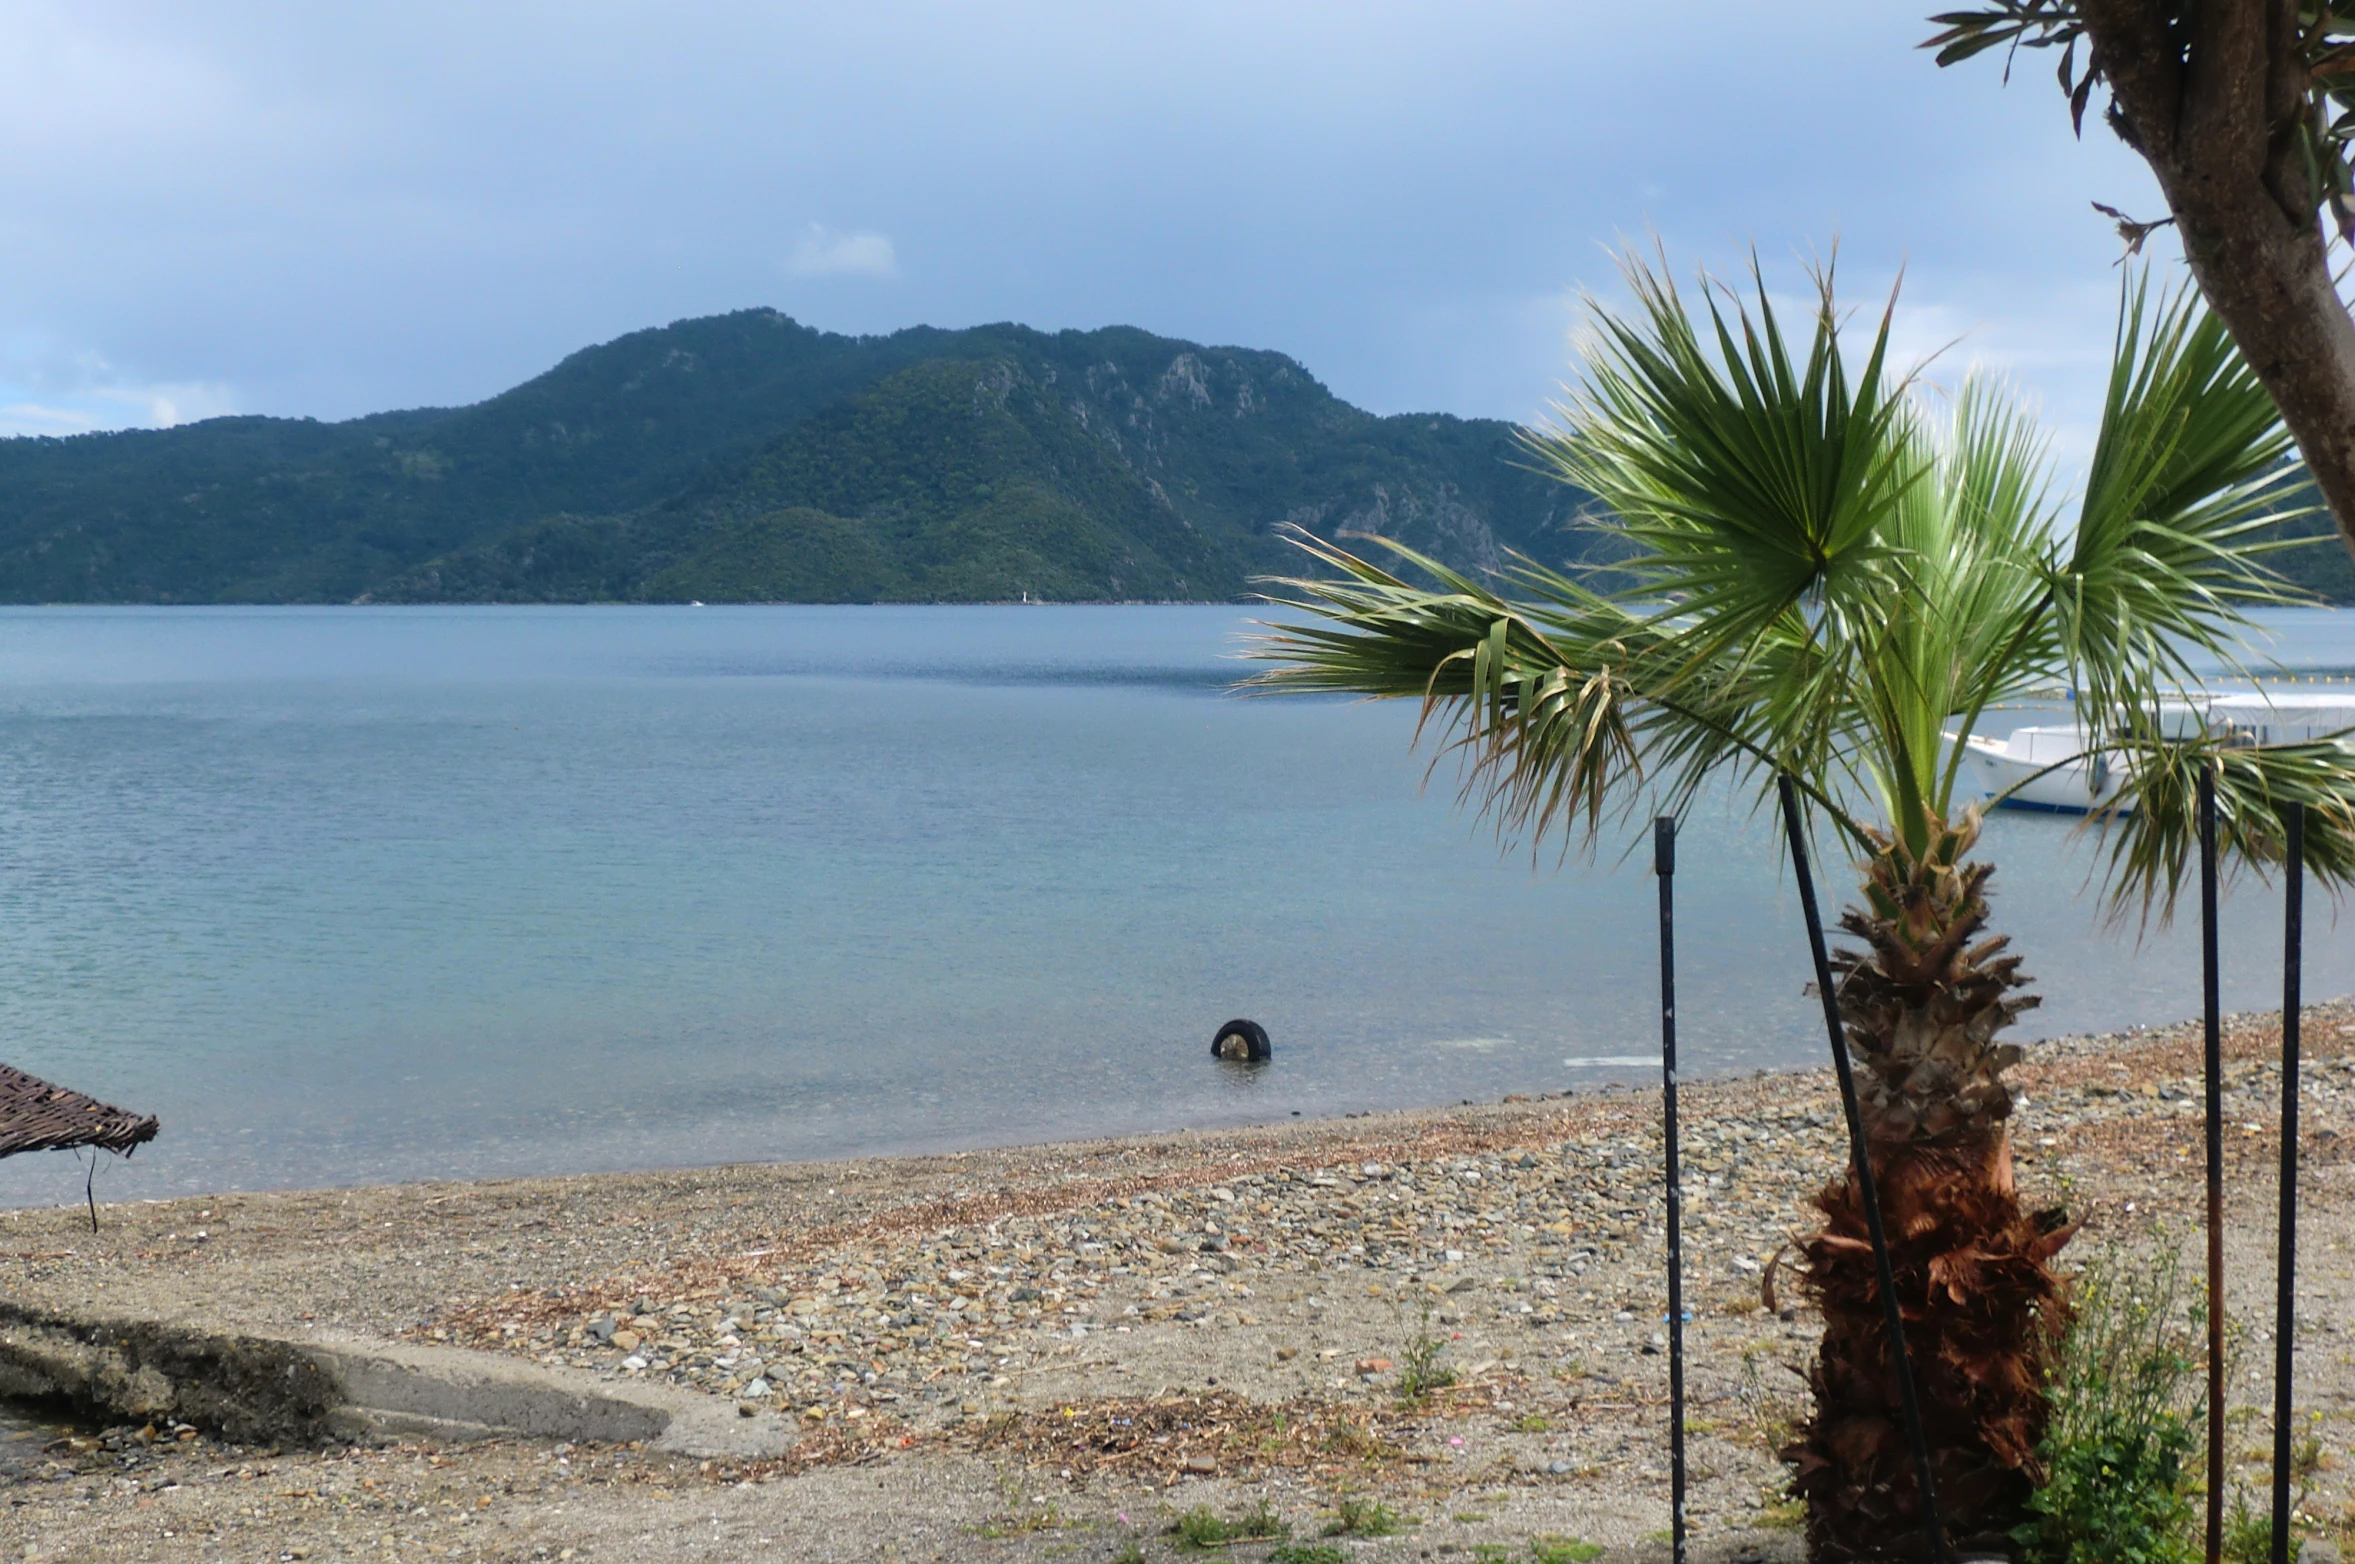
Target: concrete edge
x=508 y=1395
x=262 y=1389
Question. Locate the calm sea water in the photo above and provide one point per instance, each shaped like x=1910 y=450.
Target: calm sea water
x=368 y=894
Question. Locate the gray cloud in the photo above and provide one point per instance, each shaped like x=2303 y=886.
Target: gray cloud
x=326 y=210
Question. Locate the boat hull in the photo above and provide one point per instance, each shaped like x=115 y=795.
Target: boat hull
x=2048 y=768
x=2045 y=770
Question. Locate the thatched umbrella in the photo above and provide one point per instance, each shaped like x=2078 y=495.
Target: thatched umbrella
x=36 y=1116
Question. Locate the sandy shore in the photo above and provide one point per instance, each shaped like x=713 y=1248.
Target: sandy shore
x=1056 y=1351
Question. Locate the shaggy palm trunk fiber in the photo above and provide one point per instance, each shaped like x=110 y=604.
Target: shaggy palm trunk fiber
x=1922 y=1003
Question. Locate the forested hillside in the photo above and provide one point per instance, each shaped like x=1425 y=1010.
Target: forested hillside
x=2319 y=562
x=748 y=458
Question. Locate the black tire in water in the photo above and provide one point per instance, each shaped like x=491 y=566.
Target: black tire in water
x=1241 y=1040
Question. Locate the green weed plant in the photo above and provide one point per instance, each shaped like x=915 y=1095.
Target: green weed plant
x=1562 y=1550
x=1360 y=1517
x=1419 y=1370
x=1260 y=1523
x=1541 y=1550
x=2248 y=1533
x=1201 y=1527
x=1307 y=1553
x=2119 y=1483
x=2248 y=1528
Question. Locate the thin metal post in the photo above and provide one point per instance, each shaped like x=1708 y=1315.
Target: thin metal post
x=1893 y=1316
x=2285 y=1296
x=1664 y=866
x=2212 y=1012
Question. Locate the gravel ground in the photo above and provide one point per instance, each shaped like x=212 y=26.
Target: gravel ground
x=1049 y=1352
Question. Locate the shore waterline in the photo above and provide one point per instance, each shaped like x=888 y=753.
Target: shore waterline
x=1129 y=1317
x=353 y=895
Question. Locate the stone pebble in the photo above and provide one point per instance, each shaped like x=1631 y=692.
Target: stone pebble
x=1533 y=1234
x=1551 y=1226
x=1550 y=1233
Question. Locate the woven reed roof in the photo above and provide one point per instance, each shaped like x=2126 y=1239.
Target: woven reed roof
x=36 y=1116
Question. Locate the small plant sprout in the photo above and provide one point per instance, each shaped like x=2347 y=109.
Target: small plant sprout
x=1306 y=1553
x=1562 y=1550
x=1200 y=1527
x=1354 y=1516
x=1419 y=1370
x=1260 y=1523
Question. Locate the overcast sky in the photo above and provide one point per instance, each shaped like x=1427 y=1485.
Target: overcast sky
x=331 y=209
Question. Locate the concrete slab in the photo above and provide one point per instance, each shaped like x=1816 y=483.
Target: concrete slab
x=257 y=1388
x=458 y=1388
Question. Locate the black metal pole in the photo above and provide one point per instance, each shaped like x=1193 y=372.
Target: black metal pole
x=2285 y=1295
x=1893 y=1316
x=2212 y=1013
x=1664 y=866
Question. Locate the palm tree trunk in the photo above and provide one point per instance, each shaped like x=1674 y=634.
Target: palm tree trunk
x=1980 y=1303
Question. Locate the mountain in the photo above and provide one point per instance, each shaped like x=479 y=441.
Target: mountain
x=745 y=457
x=2318 y=562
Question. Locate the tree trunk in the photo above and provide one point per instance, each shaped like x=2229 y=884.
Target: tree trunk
x=2217 y=122
x=2273 y=291
x=1980 y=1304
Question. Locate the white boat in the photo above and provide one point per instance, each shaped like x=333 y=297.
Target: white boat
x=2285 y=716
x=2043 y=768
x=2050 y=767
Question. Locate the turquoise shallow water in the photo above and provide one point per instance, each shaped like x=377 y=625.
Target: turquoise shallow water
x=363 y=894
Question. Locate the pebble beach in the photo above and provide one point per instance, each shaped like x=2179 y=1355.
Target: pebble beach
x=1454 y=1317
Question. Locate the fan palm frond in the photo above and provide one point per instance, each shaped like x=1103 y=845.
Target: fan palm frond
x=1821 y=579
x=2185 y=482
x=2152 y=827
x=1829 y=585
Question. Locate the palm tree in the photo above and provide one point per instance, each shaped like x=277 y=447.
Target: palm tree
x=1821 y=577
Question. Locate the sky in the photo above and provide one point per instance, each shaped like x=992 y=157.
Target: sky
x=322 y=211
